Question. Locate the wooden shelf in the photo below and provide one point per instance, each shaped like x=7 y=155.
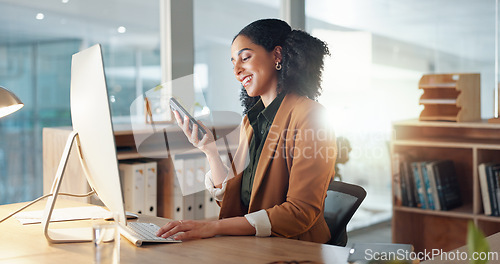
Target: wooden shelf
x=448 y=143
x=461 y=212
x=467 y=144
x=488 y=218
x=480 y=124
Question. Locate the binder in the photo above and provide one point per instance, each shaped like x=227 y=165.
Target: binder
x=132 y=177
x=211 y=207
x=201 y=169
x=150 y=185
x=178 y=206
x=188 y=182
x=188 y=207
x=199 y=199
x=179 y=172
x=178 y=200
x=199 y=205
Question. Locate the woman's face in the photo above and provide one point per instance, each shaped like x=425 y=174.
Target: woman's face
x=254 y=67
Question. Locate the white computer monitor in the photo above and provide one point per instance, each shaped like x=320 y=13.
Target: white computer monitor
x=93 y=133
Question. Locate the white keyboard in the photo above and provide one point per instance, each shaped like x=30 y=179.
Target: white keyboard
x=139 y=233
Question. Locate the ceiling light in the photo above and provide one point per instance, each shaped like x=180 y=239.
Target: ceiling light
x=40 y=16
x=65 y=1
x=122 y=29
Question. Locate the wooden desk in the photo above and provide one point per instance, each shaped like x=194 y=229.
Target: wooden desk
x=27 y=244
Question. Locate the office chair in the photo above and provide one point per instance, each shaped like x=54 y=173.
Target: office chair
x=342 y=201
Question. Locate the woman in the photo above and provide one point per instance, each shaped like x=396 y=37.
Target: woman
x=285 y=159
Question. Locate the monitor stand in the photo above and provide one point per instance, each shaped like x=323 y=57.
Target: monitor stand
x=66 y=235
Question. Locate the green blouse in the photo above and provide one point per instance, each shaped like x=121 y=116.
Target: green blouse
x=260 y=118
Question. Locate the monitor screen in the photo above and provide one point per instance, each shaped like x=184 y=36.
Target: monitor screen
x=91 y=118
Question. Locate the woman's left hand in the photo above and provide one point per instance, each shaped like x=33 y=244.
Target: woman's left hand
x=191 y=229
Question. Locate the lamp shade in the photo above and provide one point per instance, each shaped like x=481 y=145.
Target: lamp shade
x=9 y=103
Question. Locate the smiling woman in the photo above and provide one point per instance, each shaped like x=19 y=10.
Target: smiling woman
x=282 y=189
x=297 y=58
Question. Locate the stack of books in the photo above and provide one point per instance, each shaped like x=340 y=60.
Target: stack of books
x=489 y=180
x=428 y=184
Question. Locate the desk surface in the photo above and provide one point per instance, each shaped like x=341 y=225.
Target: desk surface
x=27 y=244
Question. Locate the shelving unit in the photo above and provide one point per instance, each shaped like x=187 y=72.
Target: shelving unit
x=54 y=140
x=466 y=143
x=450 y=97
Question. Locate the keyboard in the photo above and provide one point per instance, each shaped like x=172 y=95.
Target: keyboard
x=139 y=233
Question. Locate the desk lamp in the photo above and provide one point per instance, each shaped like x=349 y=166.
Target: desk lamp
x=9 y=103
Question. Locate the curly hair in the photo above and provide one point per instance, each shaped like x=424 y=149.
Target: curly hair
x=302 y=58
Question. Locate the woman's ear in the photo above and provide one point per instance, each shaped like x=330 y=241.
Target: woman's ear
x=277 y=53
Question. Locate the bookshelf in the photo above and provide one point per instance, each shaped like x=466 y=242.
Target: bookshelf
x=54 y=140
x=450 y=97
x=467 y=144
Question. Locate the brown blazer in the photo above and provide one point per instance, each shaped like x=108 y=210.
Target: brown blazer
x=294 y=170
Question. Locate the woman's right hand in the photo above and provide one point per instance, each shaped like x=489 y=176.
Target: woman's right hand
x=206 y=144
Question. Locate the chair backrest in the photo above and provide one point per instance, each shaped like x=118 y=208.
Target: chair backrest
x=342 y=201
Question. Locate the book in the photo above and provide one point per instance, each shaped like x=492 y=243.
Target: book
x=404 y=186
x=412 y=193
x=494 y=170
x=485 y=193
x=492 y=183
x=435 y=190
x=427 y=185
x=397 y=181
x=419 y=185
x=496 y=175
x=446 y=178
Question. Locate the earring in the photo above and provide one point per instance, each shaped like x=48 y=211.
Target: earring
x=278 y=66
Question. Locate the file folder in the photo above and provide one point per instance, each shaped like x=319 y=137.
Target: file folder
x=188 y=182
x=178 y=200
x=199 y=205
x=188 y=207
x=132 y=176
x=150 y=185
x=212 y=209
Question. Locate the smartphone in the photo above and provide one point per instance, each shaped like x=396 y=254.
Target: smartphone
x=176 y=106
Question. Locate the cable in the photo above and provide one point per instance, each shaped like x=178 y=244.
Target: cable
x=45 y=196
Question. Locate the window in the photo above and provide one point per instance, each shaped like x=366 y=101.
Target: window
x=215 y=24
x=38 y=39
